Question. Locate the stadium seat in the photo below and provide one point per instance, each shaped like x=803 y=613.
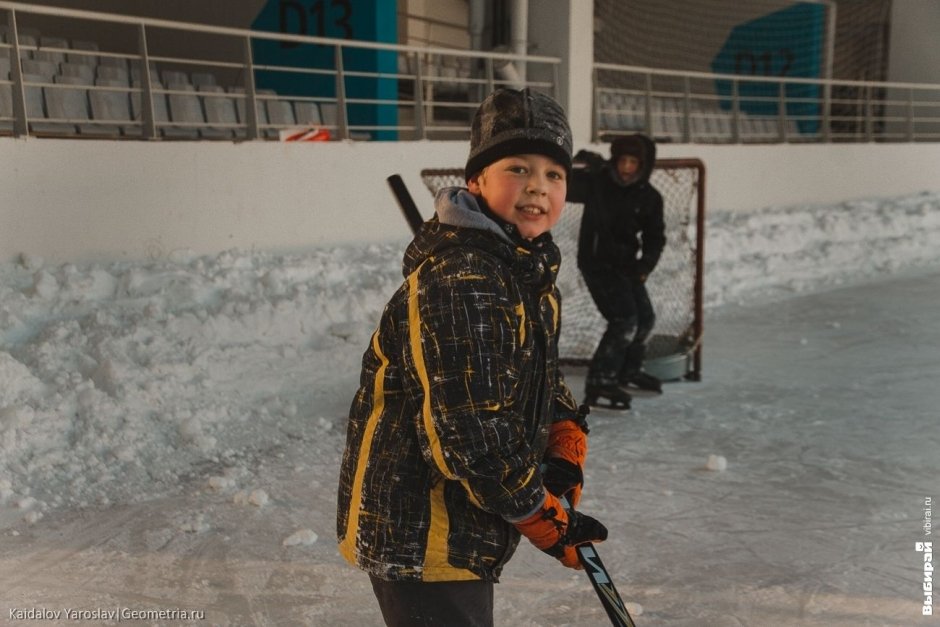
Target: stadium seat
x=6 y=107
x=220 y=111
x=51 y=49
x=72 y=105
x=328 y=114
x=750 y=128
x=135 y=71
x=767 y=128
x=242 y=110
x=307 y=113
x=80 y=70
x=83 y=53
x=174 y=77
x=28 y=43
x=618 y=104
x=35 y=107
x=698 y=125
x=113 y=73
x=161 y=116
x=280 y=113
x=703 y=123
x=636 y=117
x=186 y=108
x=39 y=67
x=793 y=130
x=113 y=106
x=669 y=109
x=203 y=79
x=110 y=61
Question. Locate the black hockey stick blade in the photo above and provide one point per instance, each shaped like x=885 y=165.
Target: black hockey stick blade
x=407 y=204
x=606 y=592
x=603 y=585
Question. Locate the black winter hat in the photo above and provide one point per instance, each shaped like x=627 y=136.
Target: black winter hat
x=516 y=122
x=633 y=145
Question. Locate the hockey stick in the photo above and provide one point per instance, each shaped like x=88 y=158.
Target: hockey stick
x=407 y=204
x=603 y=585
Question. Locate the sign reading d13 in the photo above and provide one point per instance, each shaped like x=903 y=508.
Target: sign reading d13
x=361 y=20
x=785 y=43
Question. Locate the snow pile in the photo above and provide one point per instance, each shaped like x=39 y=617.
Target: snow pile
x=125 y=381
x=777 y=251
x=117 y=381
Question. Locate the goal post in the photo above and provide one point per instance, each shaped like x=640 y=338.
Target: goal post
x=674 y=349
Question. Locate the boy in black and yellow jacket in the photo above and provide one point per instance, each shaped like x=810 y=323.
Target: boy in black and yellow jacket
x=462 y=421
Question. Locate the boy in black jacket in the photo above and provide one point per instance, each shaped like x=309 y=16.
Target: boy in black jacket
x=621 y=238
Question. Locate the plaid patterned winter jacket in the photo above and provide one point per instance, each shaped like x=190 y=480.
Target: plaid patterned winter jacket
x=450 y=422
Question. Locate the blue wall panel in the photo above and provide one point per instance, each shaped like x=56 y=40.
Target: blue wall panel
x=786 y=43
x=362 y=20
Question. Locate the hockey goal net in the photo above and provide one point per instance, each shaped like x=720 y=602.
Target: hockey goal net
x=675 y=288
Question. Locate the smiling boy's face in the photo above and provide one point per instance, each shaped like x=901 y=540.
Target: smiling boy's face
x=525 y=190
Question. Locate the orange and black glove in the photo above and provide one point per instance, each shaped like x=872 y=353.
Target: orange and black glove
x=558 y=531
x=563 y=470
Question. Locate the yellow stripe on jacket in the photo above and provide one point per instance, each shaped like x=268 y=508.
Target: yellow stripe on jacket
x=436 y=566
x=348 y=546
x=417 y=352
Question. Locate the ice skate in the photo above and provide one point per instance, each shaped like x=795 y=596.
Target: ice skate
x=611 y=396
x=643 y=381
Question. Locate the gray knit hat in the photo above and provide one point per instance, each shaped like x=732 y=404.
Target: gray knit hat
x=516 y=122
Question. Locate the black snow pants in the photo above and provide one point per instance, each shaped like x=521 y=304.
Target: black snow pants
x=625 y=304
x=433 y=604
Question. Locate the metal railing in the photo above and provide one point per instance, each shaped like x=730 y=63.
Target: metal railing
x=700 y=107
x=433 y=90
x=428 y=92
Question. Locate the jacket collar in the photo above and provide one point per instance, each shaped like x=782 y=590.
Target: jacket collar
x=464 y=219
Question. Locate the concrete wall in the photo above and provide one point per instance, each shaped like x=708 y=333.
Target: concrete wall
x=72 y=200
x=565 y=29
x=915 y=47
x=99 y=200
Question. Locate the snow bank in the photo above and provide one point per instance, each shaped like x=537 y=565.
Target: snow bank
x=778 y=251
x=117 y=381
x=122 y=382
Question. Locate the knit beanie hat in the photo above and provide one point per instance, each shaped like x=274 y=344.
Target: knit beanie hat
x=632 y=145
x=516 y=122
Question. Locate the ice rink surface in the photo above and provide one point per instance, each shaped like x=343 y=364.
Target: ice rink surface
x=825 y=406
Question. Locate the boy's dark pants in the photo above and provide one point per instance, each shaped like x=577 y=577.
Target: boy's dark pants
x=433 y=604
x=625 y=304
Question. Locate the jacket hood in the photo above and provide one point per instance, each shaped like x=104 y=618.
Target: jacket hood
x=460 y=220
x=639 y=146
x=456 y=206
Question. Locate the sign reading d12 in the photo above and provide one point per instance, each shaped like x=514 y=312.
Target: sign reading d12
x=785 y=43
